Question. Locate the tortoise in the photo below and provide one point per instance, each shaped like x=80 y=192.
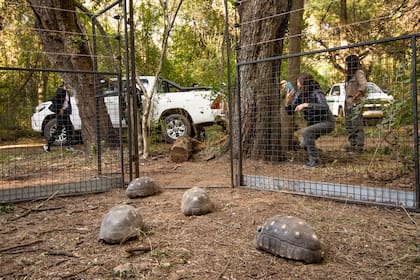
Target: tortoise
x=196 y=201
x=120 y=224
x=142 y=187
x=289 y=237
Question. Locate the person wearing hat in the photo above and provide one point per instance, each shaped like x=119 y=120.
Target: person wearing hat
x=287 y=86
x=356 y=89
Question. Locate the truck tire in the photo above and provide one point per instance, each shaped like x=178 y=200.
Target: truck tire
x=175 y=125
x=50 y=128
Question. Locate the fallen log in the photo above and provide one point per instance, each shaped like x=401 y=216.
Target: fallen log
x=184 y=147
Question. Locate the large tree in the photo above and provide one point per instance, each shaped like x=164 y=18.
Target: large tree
x=66 y=45
x=293 y=68
x=262 y=24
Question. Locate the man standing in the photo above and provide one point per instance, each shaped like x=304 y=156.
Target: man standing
x=62 y=108
x=356 y=88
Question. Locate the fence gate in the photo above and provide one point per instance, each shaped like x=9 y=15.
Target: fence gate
x=386 y=173
x=26 y=171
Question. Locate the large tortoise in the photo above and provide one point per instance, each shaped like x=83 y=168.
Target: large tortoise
x=142 y=187
x=289 y=237
x=121 y=223
x=196 y=201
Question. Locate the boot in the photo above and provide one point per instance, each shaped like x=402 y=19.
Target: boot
x=313 y=162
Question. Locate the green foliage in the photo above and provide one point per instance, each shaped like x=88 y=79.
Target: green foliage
x=397 y=115
x=196 y=50
x=6 y=208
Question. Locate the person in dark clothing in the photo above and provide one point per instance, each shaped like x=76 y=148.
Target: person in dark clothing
x=311 y=100
x=61 y=106
x=356 y=89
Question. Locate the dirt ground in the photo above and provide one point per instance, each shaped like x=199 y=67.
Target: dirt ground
x=58 y=238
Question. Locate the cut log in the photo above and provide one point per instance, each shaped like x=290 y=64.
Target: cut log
x=182 y=149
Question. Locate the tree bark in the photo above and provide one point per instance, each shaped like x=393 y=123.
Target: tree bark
x=263 y=23
x=66 y=46
x=293 y=69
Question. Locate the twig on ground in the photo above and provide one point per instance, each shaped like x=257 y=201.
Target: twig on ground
x=63 y=229
x=7 y=274
x=414 y=222
x=69 y=275
x=84 y=210
x=59 y=253
x=57 y=263
x=406 y=256
x=223 y=271
x=21 y=251
x=148 y=239
x=21 y=245
x=44 y=209
x=36 y=207
x=140 y=249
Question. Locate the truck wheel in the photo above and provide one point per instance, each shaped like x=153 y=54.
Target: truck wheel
x=50 y=128
x=174 y=126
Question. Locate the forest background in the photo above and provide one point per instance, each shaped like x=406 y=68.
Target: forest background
x=196 y=50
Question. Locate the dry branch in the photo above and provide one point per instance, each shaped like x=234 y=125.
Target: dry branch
x=36 y=207
x=140 y=249
x=69 y=275
x=21 y=251
x=406 y=256
x=412 y=220
x=224 y=270
x=21 y=245
x=63 y=229
x=59 y=253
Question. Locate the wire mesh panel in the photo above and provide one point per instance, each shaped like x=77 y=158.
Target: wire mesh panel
x=278 y=144
x=72 y=116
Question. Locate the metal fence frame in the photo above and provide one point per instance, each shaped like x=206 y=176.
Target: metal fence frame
x=102 y=182
x=339 y=192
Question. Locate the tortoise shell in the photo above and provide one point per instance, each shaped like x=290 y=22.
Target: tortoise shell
x=121 y=223
x=196 y=201
x=142 y=187
x=289 y=237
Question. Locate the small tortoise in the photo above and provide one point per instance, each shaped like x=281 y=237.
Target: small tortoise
x=142 y=187
x=289 y=237
x=120 y=224
x=196 y=201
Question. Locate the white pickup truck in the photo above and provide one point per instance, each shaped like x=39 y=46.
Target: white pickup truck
x=179 y=110
x=374 y=103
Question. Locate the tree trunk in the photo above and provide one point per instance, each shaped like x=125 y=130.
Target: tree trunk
x=259 y=82
x=66 y=46
x=293 y=69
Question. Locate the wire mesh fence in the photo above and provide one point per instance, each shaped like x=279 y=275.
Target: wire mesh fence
x=270 y=155
x=65 y=155
x=384 y=172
